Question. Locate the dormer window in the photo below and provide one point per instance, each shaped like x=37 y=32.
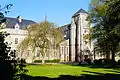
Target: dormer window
x=17 y=26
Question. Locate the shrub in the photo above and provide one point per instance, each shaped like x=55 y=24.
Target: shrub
x=98 y=61
x=57 y=60
x=118 y=62
x=38 y=61
x=48 y=61
x=108 y=61
x=88 y=61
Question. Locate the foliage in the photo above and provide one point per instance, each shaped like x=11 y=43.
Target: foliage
x=99 y=61
x=11 y=68
x=103 y=16
x=48 y=61
x=19 y=68
x=88 y=61
x=118 y=62
x=104 y=62
x=42 y=36
x=108 y=61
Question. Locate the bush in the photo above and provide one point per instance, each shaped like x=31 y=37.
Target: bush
x=98 y=61
x=48 y=61
x=57 y=60
x=38 y=61
x=108 y=61
x=88 y=61
x=118 y=62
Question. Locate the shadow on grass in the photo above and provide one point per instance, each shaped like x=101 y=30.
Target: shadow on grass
x=82 y=77
x=96 y=66
x=87 y=76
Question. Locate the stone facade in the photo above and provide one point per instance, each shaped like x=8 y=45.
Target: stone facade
x=16 y=27
x=74 y=48
x=79 y=48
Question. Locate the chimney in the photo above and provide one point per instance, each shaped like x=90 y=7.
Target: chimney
x=19 y=19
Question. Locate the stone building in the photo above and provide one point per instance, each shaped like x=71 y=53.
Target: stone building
x=16 y=27
x=75 y=47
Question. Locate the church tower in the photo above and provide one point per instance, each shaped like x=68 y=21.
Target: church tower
x=77 y=30
x=72 y=41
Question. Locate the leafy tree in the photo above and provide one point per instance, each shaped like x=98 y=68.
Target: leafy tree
x=113 y=13
x=42 y=36
x=105 y=19
x=11 y=68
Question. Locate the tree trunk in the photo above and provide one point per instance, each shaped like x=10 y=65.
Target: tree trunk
x=113 y=58
x=43 y=60
x=94 y=54
x=107 y=56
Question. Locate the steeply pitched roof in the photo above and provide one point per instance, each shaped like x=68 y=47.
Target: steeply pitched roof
x=64 y=28
x=80 y=11
x=12 y=21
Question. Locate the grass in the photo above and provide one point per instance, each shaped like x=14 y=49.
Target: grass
x=55 y=70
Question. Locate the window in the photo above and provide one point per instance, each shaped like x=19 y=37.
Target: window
x=62 y=50
x=16 y=40
x=67 y=50
x=28 y=54
x=38 y=53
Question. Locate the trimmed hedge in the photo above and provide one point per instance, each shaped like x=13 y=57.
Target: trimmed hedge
x=38 y=61
x=48 y=61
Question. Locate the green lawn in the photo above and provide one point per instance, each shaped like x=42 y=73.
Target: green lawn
x=55 y=70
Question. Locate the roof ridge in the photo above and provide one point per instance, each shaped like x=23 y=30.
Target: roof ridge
x=22 y=19
x=12 y=21
x=80 y=11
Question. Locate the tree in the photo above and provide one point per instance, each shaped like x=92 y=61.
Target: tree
x=113 y=13
x=103 y=16
x=11 y=68
x=42 y=36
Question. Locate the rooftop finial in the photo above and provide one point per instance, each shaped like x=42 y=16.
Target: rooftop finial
x=45 y=17
x=19 y=18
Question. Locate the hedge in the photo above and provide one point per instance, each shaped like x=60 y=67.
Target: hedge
x=48 y=61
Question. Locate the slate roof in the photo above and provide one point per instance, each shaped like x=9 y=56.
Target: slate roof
x=64 y=28
x=79 y=11
x=12 y=21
